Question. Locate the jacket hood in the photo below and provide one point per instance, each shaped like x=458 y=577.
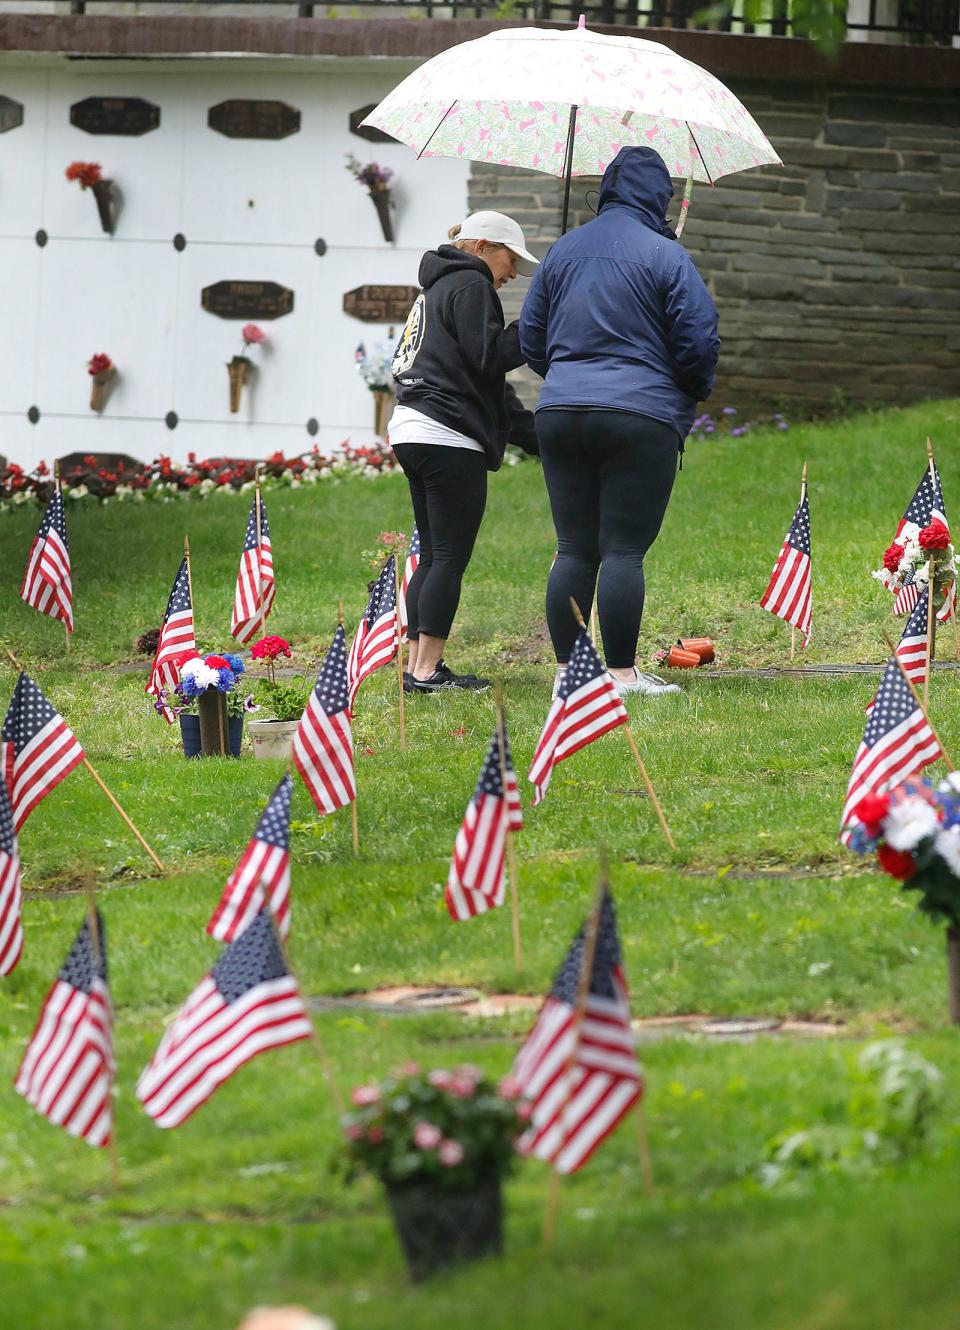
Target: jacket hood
x=437 y=263
x=638 y=179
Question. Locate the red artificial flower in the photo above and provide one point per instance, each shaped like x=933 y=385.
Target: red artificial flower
x=86 y=173
x=99 y=364
x=269 y=648
x=892 y=556
x=90 y=461
x=936 y=536
x=252 y=333
x=896 y=862
x=181 y=658
x=216 y=662
x=871 y=810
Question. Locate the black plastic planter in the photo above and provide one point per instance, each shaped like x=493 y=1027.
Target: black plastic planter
x=440 y=1228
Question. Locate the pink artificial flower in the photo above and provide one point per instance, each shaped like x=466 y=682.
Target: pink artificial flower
x=355 y=1131
x=409 y=1069
x=375 y=1135
x=525 y=1111
x=441 y=1079
x=451 y=1154
x=510 y=1088
x=462 y=1086
x=365 y=1094
x=426 y=1136
x=252 y=334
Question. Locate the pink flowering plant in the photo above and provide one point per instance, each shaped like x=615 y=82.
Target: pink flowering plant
x=449 y=1128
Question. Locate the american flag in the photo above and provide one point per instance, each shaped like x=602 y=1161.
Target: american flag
x=581 y=1081
x=68 y=1068
x=907 y=597
x=409 y=568
x=375 y=641
x=11 y=930
x=926 y=504
x=898 y=741
x=176 y=638
x=788 y=593
x=262 y=874
x=912 y=647
x=323 y=743
x=38 y=749
x=46 y=583
x=476 y=881
x=254 y=579
x=248 y=1003
x=586 y=707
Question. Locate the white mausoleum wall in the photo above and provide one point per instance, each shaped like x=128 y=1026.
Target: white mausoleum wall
x=249 y=210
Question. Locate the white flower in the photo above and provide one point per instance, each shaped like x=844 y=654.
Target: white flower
x=951 y=783
x=309 y=477
x=207 y=485
x=947 y=845
x=204 y=676
x=909 y=531
x=882 y=576
x=921 y=576
x=908 y=822
x=79 y=492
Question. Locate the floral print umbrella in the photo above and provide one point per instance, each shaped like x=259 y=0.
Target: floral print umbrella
x=516 y=97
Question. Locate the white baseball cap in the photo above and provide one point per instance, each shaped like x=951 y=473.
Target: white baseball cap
x=499 y=230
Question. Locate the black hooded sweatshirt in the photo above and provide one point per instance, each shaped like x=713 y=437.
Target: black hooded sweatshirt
x=455 y=351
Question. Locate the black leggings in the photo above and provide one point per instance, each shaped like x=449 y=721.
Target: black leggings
x=448 y=487
x=609 y=475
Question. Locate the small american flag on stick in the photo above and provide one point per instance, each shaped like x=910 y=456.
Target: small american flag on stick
x=247 y=1004
x=323 y=743
x=68 y=1068
x=255 y=578
x=898 y=741
x=263 y=874
x=375 y=641
x=788 y=593
x=46 y=582
x=586 y=707
x=476 y=881
x=11 y=930
x=912 y=647
x=578 y=1066
x=409 y=568
x=176 y=639
x=38 y=749
x=925 y=507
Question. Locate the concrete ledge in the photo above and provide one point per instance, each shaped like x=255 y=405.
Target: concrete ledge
x=725 y=54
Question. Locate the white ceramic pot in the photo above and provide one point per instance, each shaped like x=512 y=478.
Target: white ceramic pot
x=272 y=738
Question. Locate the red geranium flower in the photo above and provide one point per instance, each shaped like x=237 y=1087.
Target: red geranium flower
x=896 y=862
x=269 y=648
x=892 y=557
x=936 y=536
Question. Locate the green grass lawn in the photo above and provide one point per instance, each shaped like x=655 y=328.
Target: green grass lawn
x=758 y=912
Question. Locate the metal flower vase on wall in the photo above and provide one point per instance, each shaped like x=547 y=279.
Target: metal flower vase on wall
x=383 y=203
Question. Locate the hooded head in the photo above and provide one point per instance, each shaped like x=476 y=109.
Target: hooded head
x=638 y=179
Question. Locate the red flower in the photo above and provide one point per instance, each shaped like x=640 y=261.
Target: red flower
x=936 y=536
x=216 y=662
x=896 y=862
x=269 y=648
x=90 y=460
x=892 y=557
x=871 y=810
x=86 y=173
x=99 y=364
x=181 y=658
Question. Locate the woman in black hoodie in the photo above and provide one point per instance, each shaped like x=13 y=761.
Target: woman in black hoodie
x=455 y=414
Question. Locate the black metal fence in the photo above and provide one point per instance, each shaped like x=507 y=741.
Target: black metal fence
x=931 y=22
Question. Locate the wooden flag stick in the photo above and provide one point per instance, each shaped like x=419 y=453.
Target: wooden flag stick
x=321 y=1052
x=916 y=698
x=396 y=583
x=593 y=621
x=97 y=945
x=511 y=855
x=59 y=488
x=644 y=1147
x=649 y=784
x=931 y=467
x=931 y=634
x=86 y=762
x=579 y=1011
x=263 y=617
x=186 y=555
x=353 y=801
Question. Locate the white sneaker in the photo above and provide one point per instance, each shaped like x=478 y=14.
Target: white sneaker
x=649 y=685
x=558 y=679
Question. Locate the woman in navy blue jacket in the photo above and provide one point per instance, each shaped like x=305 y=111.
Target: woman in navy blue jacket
x=620 y=325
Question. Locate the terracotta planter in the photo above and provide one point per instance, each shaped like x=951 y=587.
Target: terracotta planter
x=381 y=201
x=272 y=738
x=439 y=1228
x=98 y=389
x=678 y=659
x=702 y=646
x=237 y=369
x=104 y=196
x=383 y=404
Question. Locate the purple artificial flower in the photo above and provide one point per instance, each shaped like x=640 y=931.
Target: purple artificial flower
x=729 y=411
x=249 y=704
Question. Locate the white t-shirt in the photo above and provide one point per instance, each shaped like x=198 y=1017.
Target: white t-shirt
x=409 y=426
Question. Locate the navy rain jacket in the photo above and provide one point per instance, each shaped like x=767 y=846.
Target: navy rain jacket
x=617 y=315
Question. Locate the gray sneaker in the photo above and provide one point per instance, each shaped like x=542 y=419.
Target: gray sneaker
x=558 y=679
x=648 y=685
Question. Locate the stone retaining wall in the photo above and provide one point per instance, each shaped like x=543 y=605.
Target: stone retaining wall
x=837 y=276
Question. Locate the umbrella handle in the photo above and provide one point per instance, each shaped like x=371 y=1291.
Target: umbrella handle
x=687 y=192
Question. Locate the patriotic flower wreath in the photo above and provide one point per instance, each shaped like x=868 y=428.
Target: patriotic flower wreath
x=198 y=673
x=375 y=369
x=452 y=1128
x=910 y=554
x=915 y=832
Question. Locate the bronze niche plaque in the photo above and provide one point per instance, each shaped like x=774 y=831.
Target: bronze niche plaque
x=367 y=131
x=247 y=300
x=239 y=119
x=11 y=114
x=127 y=116
x=380 y=304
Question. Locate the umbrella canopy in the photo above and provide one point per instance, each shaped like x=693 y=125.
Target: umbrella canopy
x=514 y=97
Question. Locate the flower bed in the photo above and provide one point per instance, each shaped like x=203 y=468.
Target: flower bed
x=165 y=480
